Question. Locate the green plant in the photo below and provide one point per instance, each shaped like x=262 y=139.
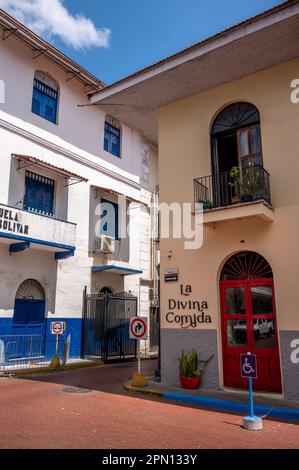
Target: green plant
x=235 y=180
x=207 y=204
x=190 y=365
x=258 y=182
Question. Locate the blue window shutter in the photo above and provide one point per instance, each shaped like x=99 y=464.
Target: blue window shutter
x=112 y=139
x=109 y=219
x=36 y=103
x=44 y=101
x=39 y=194
x=106 y=142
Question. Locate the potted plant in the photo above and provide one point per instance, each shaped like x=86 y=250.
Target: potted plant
x=235 y=184
x=206 y=205
x=191 y=369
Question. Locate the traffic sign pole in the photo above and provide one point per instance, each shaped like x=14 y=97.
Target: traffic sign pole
x=138 y=331
x=56 y=351
x=250 y=397
x=249 y=371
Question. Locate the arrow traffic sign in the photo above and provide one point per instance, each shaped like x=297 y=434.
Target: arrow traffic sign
x=138 y=328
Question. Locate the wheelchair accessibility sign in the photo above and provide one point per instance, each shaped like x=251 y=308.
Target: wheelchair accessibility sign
x=248 y=366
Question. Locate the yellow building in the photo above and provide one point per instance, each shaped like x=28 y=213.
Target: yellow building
x=225 y=117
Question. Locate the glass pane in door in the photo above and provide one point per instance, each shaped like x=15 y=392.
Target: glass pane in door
x=262 y=300
x=264 y=333
x=244 y=143
x=236 y=333
x=255 y=140
x=235 y=300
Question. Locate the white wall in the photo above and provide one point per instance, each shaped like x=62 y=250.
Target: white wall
x=76 y=144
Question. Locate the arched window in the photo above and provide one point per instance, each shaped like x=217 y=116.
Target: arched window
x=106 y=291
x=236 y=138
x=45 y=97
x=112 y=136
x=246 y=265
x=29 y=304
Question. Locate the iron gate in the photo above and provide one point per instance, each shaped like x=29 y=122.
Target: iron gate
x=106 y=319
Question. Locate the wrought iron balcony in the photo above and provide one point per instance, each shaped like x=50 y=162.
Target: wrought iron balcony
x=238 y=186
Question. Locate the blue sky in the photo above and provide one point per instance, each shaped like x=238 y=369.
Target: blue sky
x=141 y=31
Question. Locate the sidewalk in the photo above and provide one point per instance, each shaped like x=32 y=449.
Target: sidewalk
x=225 y=400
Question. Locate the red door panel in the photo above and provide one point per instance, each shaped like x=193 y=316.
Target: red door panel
x=249 y=325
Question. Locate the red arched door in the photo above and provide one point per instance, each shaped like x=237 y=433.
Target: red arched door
x=249 y=321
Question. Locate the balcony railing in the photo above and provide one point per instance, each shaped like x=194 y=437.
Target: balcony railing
x=240 y=185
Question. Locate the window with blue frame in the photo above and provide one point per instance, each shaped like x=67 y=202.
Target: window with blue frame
x=45 y=99
x=39 y=194
x=109 y=219
x=112 y=139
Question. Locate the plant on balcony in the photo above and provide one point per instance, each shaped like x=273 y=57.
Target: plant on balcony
x=258 y=185
x=191 y=369
x=206 y=205
x=234 y=183
x=252 y=186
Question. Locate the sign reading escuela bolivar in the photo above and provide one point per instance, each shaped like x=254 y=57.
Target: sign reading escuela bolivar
x=9 y=222
x=37 y=228
x=187 y=313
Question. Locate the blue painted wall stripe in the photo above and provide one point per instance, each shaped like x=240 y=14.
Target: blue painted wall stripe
x=291 y=414
x=36 y=240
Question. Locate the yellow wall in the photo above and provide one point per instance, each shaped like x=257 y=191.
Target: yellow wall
x=185 y=154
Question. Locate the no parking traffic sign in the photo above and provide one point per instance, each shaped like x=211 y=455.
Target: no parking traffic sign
x=138 y=328
x=57 y=327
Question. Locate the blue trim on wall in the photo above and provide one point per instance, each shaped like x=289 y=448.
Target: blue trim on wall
x=17 y=247
x=232 y=406
x=63 y=254
x=36 y=240
x=108 y=267
x=73 y=326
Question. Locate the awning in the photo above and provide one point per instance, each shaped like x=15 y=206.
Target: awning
x=115 y=269
x=101 y=189
x=25 y=161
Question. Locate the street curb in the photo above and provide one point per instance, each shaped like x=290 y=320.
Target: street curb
x=142 y=390
x=288 y=414
x=47 y=370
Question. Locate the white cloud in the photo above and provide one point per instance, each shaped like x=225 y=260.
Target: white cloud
x=50 y=18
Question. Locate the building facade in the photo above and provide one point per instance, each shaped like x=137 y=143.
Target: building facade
x=75 y=193
x=225 y=114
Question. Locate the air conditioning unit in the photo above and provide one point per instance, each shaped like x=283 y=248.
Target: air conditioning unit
x=105 y=244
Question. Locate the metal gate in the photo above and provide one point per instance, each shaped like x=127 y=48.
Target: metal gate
x=106 y=319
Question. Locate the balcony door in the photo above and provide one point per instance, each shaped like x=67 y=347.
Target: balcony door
x=249 y=321
x=249 y=146
x=236 y=142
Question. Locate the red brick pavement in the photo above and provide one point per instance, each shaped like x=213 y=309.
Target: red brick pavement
x=36 y=413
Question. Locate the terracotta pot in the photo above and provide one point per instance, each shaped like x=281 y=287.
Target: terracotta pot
x=190 y=382
x=139 y=379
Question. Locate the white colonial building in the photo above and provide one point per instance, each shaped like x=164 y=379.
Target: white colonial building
x=72 y=177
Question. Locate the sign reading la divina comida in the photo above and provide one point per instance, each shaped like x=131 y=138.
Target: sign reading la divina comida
x=188 y=313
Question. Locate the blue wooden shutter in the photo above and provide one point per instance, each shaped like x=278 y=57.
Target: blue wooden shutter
x=39 y=194
x=112 y=139
x=44 y=101
x=109 y=219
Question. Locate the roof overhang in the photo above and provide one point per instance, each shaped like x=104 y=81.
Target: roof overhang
x=13 y=28
x=26 y=161
x=115 y=270
x=100 y=191
x=261 y=42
